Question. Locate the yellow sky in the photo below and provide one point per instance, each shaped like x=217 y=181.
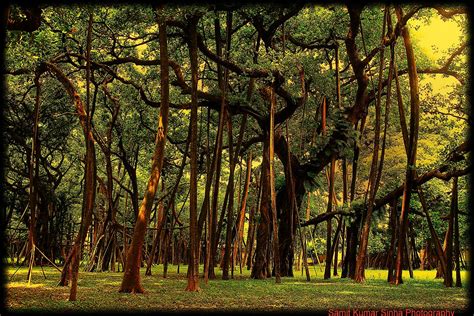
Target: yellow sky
x=435 y=39
x=441 y=34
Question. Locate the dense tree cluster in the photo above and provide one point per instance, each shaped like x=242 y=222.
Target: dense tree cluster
x=139 y=135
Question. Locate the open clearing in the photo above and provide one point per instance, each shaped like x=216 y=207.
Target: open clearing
x=99 y=292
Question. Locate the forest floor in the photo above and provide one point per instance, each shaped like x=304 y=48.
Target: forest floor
x=98 y=291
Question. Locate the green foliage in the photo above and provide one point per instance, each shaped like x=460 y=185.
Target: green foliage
x=126 y=31
x=99 y=293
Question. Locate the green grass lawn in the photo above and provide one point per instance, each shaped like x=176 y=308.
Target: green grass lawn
x=99 y=291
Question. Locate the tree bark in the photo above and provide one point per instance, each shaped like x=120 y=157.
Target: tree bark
x=90 y=176
x=263 y=228
x=207 y=192
x=252 y=224
x=364 y=237
x=439 y=270
x=193 y=276
x=276 y=250
x=218 y=155
x=169 y=205
x=243 y=205
x=434 y=235
x=448 y=276
x=33 y=178
x=90 y=179
x=408 y=254
x=394 y=228
x=456 y=236
x=160 y=222
x=412 y=147
x=230 y=205
x=348 y=268
x=131 y=282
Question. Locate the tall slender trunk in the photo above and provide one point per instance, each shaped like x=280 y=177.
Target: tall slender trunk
x=247 y=259
x=335 y=249
x=230 y=205
x=88 y=205
x=131 y=279
x=72 y=261
x=448 y=276
x=456 y=235
x=327 y=269
x=252 y=224
x=217 y=154
x=394 y=228
x=434 y=235
x=387 y=114
x=439 y=270
x=169 y=205
x=348 y=267
x=105 y=147
x=412 y=147
x=263 y=228
x=276 y=251
x=33 y=178
x=344 y=202
x=364 y=236
x=208 y=235
x=243 y=205
x=334 y=244
x=221 y=222
x=90 y=177
x=193 y=276
x=408 y=253
x=232 y=159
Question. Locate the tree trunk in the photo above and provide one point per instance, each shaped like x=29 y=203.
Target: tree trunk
x=349 y=265
x=230 y=205
x=233 y=158
x=167 y=243
x=327 y=268
x=408 y=254
x=218 y=154
x=434 y=235
x=289 y=198
x=169 y=204
x=131 y=279
x=364 y=237
x=439 y=269
x=276 y=250
x=412 y=147
x=33 y=179
x=160 y=222
x=456 y=235
x=352 y=251
x=416 y=258
x=448 y=276
x=335 y=245
x=193 y=276
x=394 y=228
x=90 y=179
x=263 y=228
x=243 y=205
x=252 y=224
x=247 y=260
x=90 y=176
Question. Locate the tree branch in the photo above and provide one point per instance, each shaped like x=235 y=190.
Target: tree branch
x=324 y=217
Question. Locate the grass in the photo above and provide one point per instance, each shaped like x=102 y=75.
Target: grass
x=98 y=291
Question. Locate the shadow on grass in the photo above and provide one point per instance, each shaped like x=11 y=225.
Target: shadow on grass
x=99 y=292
